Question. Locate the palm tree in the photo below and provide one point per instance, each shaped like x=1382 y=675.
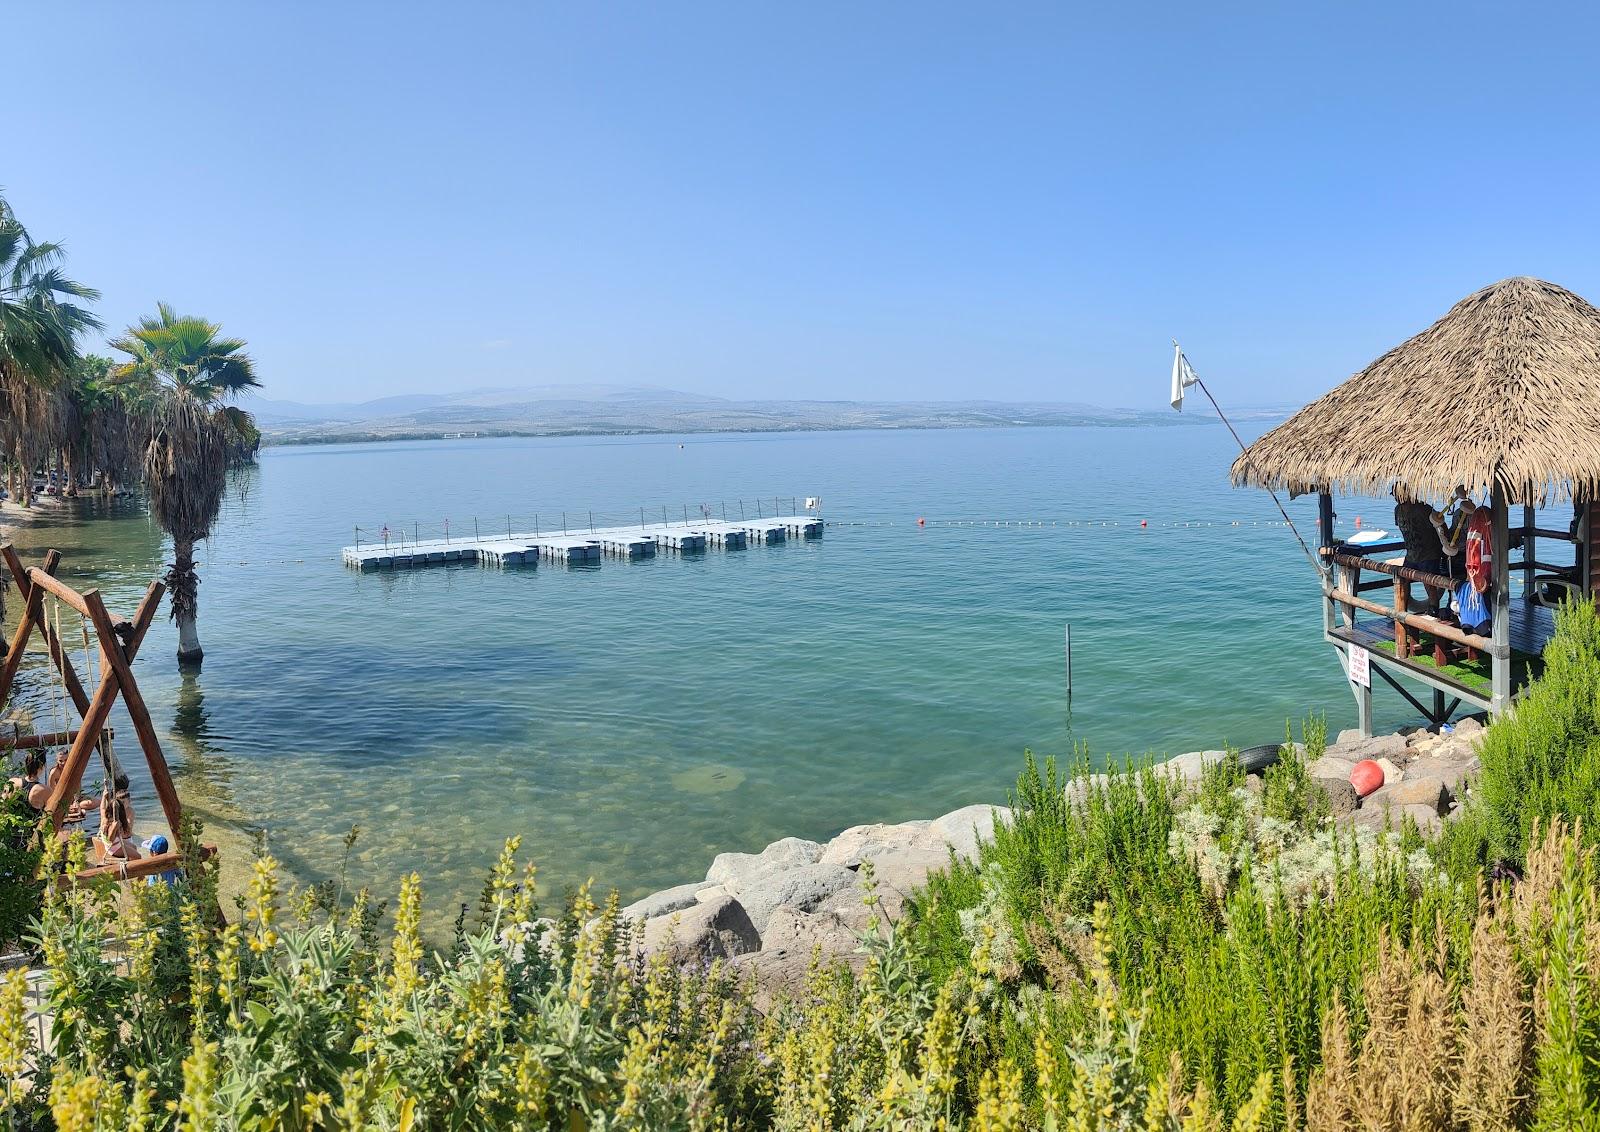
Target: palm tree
x=186 y=371
x=39 y=326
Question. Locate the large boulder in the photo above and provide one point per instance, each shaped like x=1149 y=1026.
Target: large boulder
x=1330 y=766
x=804 y=887
x=717 y=929
x=1378 y=747
x=1427 y=791
x=807 y=933
x=895 y=877
x=1427 y=818
x=868 y=842
x=798 y=942
x=789 y=852
x=1192 y=766
x=665 y=902
x=963 y=829
x=1342 y=797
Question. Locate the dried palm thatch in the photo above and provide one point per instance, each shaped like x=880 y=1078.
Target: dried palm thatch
x=1502 y=392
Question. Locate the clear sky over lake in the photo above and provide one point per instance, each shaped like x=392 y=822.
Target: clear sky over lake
x=819 y=200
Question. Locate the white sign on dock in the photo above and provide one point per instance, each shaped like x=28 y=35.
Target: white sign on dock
x=1360 y=666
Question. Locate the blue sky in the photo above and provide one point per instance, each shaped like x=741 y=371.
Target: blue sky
x=810 y=200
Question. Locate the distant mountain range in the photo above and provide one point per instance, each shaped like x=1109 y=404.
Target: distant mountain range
x=591 y=410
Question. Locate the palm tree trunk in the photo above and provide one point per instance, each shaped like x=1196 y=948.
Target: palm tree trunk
x=185 y=586
x=25 y=488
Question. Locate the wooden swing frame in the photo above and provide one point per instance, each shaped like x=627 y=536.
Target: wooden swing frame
x=119 y=640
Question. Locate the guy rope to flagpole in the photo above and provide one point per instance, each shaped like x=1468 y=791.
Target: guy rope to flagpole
x=1183 y=376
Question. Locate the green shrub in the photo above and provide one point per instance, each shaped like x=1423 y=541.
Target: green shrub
x=20 y=850
x=1542 y=760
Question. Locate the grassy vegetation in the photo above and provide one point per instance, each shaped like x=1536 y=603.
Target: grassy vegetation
x=1132 y=951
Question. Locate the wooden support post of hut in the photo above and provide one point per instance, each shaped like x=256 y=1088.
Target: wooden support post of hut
x=1500 y=397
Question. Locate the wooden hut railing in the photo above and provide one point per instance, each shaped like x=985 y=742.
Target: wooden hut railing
x=1347 y=593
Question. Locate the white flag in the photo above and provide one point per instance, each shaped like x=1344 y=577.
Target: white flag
x=1183 y=376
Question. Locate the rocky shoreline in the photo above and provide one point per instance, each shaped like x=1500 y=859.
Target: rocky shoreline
x=769 y=913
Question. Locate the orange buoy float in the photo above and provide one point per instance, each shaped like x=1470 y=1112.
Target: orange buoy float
x=1358 y=522
x=1366 y=777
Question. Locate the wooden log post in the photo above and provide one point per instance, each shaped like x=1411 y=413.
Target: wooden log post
x=1325 y=532
x=117 y=656
x=94 y=720
x=1500 y=650
x=1402 y=641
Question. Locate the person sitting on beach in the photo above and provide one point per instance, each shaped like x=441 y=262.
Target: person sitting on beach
x=1414 y=518
x=115 y=839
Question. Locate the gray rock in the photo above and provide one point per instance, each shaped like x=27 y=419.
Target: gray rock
x=804 y=887
x=780 y=973
x=1349 y=737
x=1078 y=789
x=1425 y=791
x=897 y=876
x=1190 y=767
x=1426 y=817
x=1456 y=774
x=821 y=933
x=963 y=829
x=1391 y=773
x=1342 y=797
x=1378 y=747
x=1468 y=727
x=717 y=929
x=866 y=842
x=786 y=853
x=667 y=901
x=1330 y=766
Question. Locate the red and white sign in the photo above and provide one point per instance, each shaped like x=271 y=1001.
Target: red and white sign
x=1360 y=666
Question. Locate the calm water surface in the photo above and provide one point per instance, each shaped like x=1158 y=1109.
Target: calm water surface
x=632 y=719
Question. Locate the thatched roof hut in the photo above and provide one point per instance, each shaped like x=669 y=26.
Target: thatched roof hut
x=1503 y=392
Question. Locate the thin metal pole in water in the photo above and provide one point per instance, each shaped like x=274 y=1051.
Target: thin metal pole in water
x=447 y=532
x=724 y=510
x=1069 y=659
x=508 y=526
x=591 y=522
x=563 y=522
x=759 y=515
x=641 y=518
x=536 y=524
x=664 y=515
x=686 y=514
x=741 y=510
x=416 y=532
x=358 y=536
x=476 y=537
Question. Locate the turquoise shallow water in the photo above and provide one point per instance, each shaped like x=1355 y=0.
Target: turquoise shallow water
x=632 y=720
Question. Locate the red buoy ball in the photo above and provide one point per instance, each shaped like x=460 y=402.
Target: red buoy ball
x=1366 y=777
x=1358 y=522
x=921 y=522
x=1144 y=522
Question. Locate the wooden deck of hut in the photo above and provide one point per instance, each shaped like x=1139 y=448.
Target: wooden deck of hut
x=1501 y=396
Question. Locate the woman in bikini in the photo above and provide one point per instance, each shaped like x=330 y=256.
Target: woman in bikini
x=115 y=839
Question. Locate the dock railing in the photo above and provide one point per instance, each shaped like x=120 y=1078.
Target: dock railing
x=399 y=535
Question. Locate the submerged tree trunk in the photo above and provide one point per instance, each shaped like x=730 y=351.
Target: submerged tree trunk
x=185 y=587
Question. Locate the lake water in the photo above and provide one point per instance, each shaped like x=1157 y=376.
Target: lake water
x=631 y=720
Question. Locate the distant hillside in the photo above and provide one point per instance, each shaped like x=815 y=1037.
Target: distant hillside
x=577 y=410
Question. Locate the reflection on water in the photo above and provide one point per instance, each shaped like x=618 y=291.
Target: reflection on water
x=632 y=719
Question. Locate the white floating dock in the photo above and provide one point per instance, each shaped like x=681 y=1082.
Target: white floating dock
x=577 y=547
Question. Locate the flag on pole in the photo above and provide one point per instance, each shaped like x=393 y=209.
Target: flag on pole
x=1183 y=376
